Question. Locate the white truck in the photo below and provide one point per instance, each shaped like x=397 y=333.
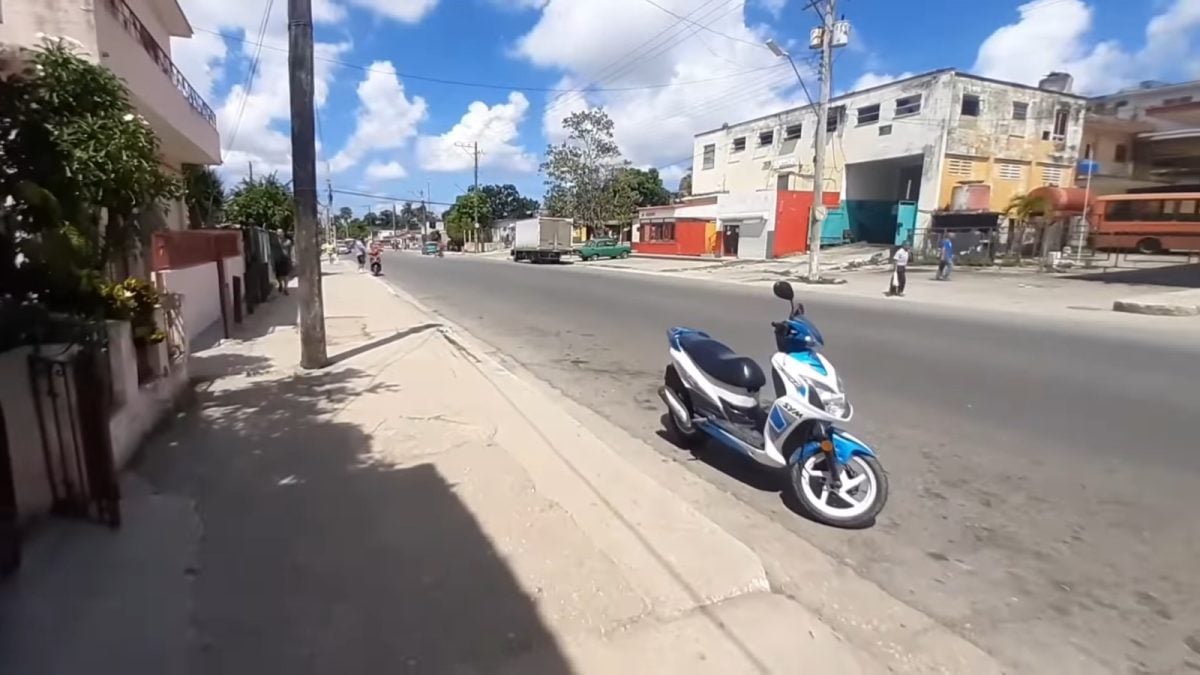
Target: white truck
x=540 y=240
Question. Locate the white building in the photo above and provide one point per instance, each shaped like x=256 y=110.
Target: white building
x=897 y=152
x=1144 y=137
x=132 y=38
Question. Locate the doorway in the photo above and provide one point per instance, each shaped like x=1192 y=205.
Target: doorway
x=729 y=245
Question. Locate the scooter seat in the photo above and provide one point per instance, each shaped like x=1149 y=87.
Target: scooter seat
x=722 y=363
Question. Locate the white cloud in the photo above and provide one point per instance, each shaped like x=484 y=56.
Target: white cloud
x=404 y=11
x=774 y=7
x=497 y=130
x=868 y=80
x=386 y=117
x=378 y=171
x=1054 y=35
x=261 y=119
x=656 y=125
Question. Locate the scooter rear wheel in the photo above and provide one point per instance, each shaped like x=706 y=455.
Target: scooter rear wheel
x=684 y=439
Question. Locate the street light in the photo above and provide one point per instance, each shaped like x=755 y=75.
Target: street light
x=818 y=201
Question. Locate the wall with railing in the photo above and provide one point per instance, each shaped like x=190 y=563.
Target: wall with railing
x=183 y=121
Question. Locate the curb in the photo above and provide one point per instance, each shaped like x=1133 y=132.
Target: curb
x=676 y=556
x=1153 y=308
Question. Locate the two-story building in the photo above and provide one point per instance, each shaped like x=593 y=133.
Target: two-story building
x=132 y=38
x=895 y=154
x=1144 y=137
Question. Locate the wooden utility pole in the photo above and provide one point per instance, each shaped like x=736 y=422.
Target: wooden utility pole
x=304 y=184
x=814 y=233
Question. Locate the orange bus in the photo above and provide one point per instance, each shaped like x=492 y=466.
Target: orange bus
x=1146 y=223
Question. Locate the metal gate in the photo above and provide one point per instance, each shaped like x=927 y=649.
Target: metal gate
x=71 y=393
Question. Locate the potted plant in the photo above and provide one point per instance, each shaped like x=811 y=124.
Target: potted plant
x=136 y=301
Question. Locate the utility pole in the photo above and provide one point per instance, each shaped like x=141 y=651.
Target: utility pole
x=251 y=172
x=304 y=184
x=474 y=149
x=818 y=208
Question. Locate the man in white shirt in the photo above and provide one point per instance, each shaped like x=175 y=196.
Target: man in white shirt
x=360 y=253
x=899 y=271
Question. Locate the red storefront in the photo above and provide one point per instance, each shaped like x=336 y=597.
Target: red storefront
x=687 y=228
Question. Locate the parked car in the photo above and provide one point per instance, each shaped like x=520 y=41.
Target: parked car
x=604 y=248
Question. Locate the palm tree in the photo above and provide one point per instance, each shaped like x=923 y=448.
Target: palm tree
x=1022 y=210
x=204 y=194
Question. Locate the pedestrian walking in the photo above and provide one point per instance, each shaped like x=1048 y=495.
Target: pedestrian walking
x=283 y=265
x=899 y=271
x=946 y=257
x=360 y=253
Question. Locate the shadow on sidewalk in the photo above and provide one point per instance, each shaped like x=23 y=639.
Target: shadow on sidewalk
x=381 y=342
x=1179 y=276
x=315 y=558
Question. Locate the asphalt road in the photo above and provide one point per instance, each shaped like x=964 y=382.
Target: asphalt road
x=1045 y=475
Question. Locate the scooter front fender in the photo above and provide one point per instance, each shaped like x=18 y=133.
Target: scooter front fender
x=845 y=446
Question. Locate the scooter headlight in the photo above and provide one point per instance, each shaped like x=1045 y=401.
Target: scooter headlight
x=838 y=407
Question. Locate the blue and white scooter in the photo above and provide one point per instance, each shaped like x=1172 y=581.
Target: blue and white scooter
x=713 y=392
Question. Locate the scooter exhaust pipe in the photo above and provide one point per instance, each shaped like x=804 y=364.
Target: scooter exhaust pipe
x=678 y=410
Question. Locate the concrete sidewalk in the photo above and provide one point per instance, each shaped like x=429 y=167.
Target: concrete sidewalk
x=413 y=508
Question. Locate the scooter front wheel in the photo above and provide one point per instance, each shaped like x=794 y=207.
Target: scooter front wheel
x=855 y=504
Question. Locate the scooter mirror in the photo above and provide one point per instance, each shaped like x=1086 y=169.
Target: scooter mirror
x=783 y=291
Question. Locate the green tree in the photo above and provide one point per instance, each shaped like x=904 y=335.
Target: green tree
x=80 y=177
x=467 y=210
x=204 y=194
x=263 y=202
x=685 y=184
x=506 y=202
x=647 y=186
x=581 y=173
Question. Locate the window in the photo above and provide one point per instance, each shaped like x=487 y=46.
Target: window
x=766 y=138
x=659 y=231
x=1087 y=151
x=962 y=168
x=1177 y=100
x=970 y=105
x=1060 y=123
x=1120 y=153
x=739 y=144
x=834 y=117
x=783 y=181
x=1009 y=170
x=710 y=156
x=885 y=130
x=1052 y=175
x=1133 y=210
x=868 y=114
x=1020 y=110
x=792 y=132
x=908 y=105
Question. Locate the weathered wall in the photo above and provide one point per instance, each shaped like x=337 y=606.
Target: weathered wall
x=64 y=18
x=1013 y=155
x=758 y=167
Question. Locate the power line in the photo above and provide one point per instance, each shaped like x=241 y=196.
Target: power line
x=249 y=84
x=622 y=64
x=485 y=85
x=702 y=27
x=387 y=198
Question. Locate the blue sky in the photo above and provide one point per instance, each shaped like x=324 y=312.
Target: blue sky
x=388 y=129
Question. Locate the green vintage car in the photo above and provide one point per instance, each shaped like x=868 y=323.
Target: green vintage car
x=604 y=248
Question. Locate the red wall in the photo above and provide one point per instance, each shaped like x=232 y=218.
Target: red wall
x=176 y=249
x=689 y=240
x=792 y=212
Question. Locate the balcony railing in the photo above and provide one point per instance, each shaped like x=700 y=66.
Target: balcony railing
x=134 y=26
